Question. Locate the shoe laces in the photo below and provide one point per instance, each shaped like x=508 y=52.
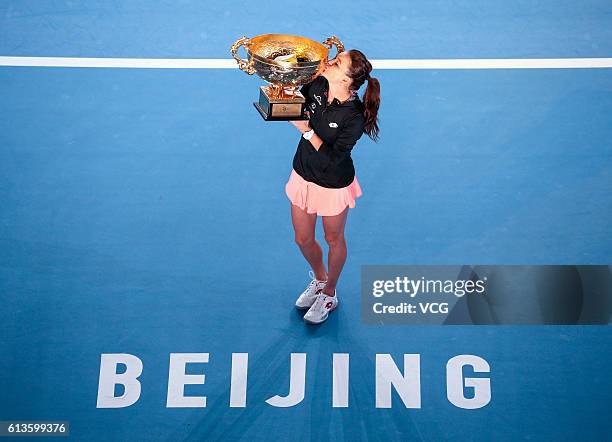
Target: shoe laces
x=313 y=282
x=322 y=299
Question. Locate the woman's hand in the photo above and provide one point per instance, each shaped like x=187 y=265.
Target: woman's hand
x=302 y=125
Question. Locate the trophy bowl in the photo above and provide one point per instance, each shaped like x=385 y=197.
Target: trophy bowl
x=286 y=62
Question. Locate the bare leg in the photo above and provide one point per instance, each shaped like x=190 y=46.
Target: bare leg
x=304 y=227
x=334 y=235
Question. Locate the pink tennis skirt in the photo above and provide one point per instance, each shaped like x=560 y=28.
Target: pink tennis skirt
x=321 y=200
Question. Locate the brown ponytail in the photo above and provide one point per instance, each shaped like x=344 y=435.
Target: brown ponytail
x=359 y=73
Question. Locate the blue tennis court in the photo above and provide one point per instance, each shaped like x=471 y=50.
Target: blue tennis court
x=143 y=213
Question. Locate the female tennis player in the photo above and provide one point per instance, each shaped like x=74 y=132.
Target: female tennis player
x=323 y=181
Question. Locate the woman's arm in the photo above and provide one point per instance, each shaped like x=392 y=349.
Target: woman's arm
x=304 y=126
x=350 y=133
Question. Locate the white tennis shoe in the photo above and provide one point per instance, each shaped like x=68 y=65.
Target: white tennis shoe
x=308 y=296
x=321 y=308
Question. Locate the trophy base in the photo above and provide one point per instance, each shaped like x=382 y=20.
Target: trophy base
x=290 y=105
x=267 y=117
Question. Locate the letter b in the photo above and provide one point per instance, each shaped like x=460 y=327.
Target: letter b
x=109 y=378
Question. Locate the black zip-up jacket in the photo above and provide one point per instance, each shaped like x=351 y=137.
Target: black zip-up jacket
x=339 y=125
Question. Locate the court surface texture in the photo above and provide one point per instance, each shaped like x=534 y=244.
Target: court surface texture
x=143 y=212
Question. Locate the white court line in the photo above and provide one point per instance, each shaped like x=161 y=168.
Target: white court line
x=222 y=63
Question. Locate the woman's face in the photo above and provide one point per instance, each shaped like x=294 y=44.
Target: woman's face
x=338 y=68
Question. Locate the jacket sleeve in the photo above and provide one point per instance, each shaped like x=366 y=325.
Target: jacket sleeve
x=332 y=154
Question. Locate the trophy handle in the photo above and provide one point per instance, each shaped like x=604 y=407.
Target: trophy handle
x=333 y=40
x=246 y=66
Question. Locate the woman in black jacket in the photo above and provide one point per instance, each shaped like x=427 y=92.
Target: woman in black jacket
x=323 y=181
